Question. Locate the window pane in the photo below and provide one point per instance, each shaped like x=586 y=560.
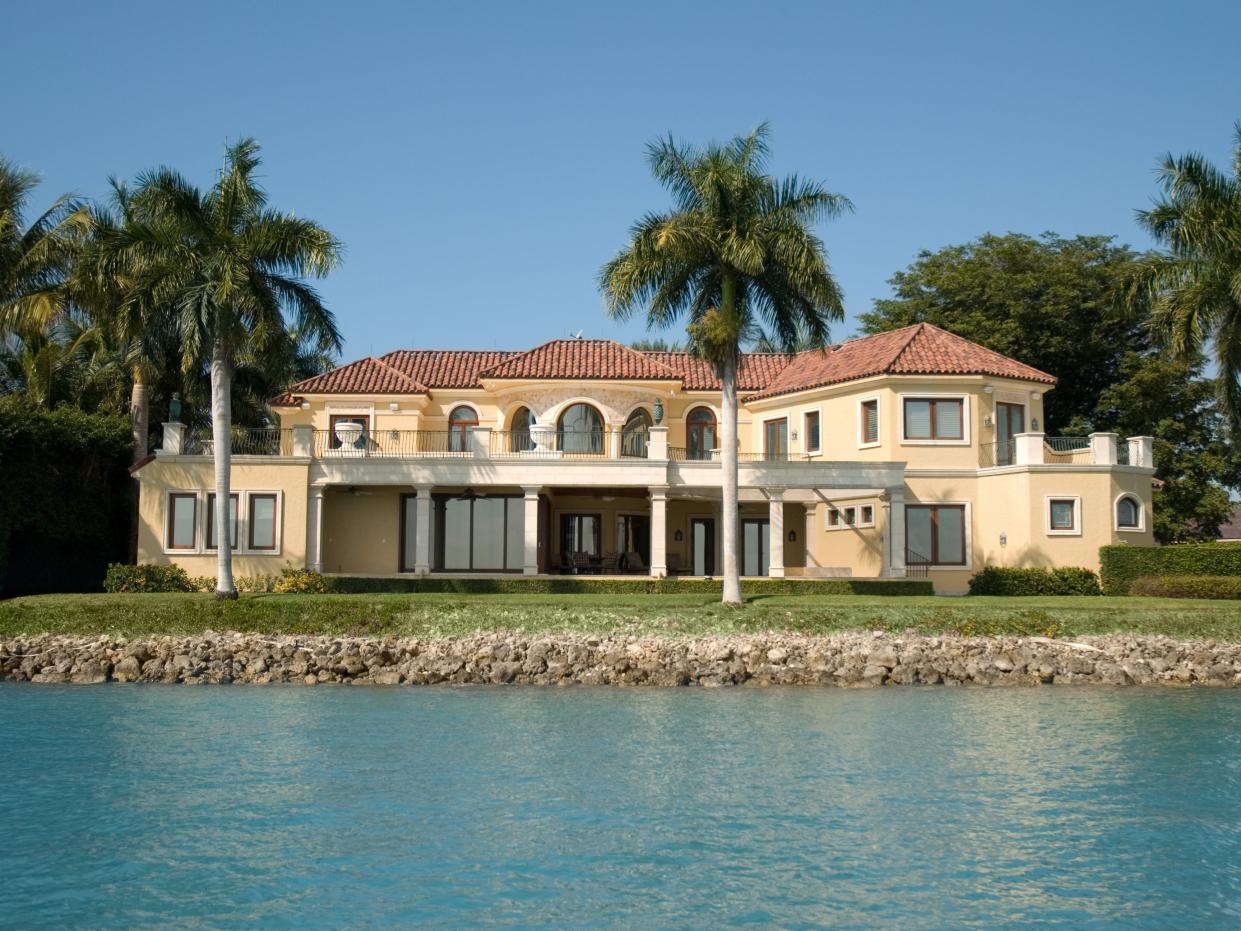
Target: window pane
x=589 y=531
x=232 y=522
x=951 y=535
x=263 y=522
x=917 y=420
x=868 y=514
x=456 y=534
x=918 y=533
x=812 y=431
x=870 y=422
x=181 y=524
x=515 y=538
x=1127 y=513
x=488 y=534
x=409 y=556
x=1062 y=515
x=948 y=420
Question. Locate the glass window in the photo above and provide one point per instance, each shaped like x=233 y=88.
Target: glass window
x=870 y=421
x=480 y=534
x=461 y=423
x=515 y=534
x=635 y=433
x=848 y=515
x=488 y=543
x=409 y=532
x=833 y=517
x=776 y=440
x=182 y=521
x=1063 y=514
x=700 y=433
x=579 y=533
x=935 y=534
x=455 y=534
x=934 y=419
x=262 y=522
x=519 y=433
x=812 y=431
x=581 y=430
x=866 y=515
x=754 y=537
x=232 y=522
x=1128 y=513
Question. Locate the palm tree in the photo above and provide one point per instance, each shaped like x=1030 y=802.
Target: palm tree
x=1192 y=292
x=35 y=260
x=735 y=251
x=231 y=268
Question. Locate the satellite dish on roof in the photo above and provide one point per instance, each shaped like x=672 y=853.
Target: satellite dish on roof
x=578 y=334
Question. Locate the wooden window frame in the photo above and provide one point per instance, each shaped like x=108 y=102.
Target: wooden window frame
x=817 y=413
x=862 y=404
x=767 y=425
x=169 y=523
x=1076 y=502
x=934 y=555
x=277 y=517
x=209 y=521
x=1140 y=526
x=691 y=426
x=935 y=439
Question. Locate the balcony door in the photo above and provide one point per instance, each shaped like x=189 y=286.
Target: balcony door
x=755 y=547
x=776 y=440
x=1010 y=419
x=702 y=545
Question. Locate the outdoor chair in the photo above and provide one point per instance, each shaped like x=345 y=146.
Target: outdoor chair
x=674 y=564
x=610 y=564
x=633 y=562
x=581 y=563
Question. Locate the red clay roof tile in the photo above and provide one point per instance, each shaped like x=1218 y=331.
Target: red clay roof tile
x=588 y=359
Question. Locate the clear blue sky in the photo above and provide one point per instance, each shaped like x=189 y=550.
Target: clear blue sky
x=480 y=161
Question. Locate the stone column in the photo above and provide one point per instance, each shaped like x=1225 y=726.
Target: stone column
x=174 y=439
x=480 y=442
x=1103 y=448
x=659 y=531
x=1142 y=451
x=314 y=529
x=894 y=552
x=303 y=440
x=657 y=443
x=775 y=524
x=530 y=527
x=1028 y=448
x=422 y=538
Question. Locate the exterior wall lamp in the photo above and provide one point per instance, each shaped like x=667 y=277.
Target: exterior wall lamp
x=394 y=407
x=678 y=536
x=792 y=536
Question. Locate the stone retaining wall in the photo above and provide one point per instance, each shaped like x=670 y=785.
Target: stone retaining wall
x=850 y=659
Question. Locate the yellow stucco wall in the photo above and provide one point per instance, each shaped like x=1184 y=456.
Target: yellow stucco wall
x=159 y=478
x=361 y=532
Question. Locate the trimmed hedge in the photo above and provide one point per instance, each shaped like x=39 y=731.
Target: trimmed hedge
x=1187 y=586
x=123 y=578
x=1121 y=563
x=1067 y=580
x=572 y=585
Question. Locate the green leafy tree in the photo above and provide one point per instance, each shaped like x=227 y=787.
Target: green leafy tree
x=234 y=270
x=35 y=257
x=1192 y=292
x=1046 y=301
x=736 y=250
x=1194 y=460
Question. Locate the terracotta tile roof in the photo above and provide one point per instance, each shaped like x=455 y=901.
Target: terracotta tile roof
x=447 y=368
x=587 y=359
x=921 y=349
x=366 y=376
x=757 y=370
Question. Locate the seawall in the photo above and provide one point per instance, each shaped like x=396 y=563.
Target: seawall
x=855 y=659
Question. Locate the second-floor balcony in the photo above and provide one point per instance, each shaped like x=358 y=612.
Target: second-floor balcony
x=1037 y=449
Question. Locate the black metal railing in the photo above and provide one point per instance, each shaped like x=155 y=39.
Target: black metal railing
x=245 y=441
x=917 y=566
x=999 y=453
x=392 y=444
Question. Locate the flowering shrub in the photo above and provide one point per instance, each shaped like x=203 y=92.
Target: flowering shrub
x=146 y=578
x=301 y=582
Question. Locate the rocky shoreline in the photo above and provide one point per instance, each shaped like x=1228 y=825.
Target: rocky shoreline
x=855 y=659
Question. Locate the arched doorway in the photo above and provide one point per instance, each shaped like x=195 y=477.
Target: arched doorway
x=580 y=430
x=700 y=433
x=519 y=431
x=460 y=422
x=635 y=433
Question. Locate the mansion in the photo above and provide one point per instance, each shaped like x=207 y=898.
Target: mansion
x=908 y=453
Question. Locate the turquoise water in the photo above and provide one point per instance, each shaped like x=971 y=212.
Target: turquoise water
x=356 y=807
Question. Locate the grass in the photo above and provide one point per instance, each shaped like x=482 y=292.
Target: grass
x=436 y=616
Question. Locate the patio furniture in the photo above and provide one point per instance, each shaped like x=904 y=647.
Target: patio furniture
x=581 y=563
x=610 y=564
x=634 y=562
x=674 y=564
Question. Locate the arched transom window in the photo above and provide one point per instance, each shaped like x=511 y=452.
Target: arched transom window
x=700 y=433
x=1128 y=513
x=460 y=422
x=635 y=433
x=580 y=430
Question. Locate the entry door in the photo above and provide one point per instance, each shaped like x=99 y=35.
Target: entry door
x=1010 y=419
x=755 y=546
x=702 y=545
x=776 y=439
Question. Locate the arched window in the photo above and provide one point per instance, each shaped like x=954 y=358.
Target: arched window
x=580 y=430
x=634 y=434
x=700 y=433
x=519 y=430
x=460 y=422
x=1128 y=513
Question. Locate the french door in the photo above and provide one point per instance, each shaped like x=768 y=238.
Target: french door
x=755 y=547
x=1010 y=419
x=702 y=545
x=776 y=440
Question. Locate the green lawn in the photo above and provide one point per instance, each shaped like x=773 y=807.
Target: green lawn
x=672 y=615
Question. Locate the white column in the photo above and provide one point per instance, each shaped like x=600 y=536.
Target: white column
x=659 y=531
x=775 y=524
x=894 y=552
x=480 y=442
x=422 y=538
x=530 y=565
x=1103 y=448
x=1142 y=451
x=303 y=440
x=657 y=443
x=1028 y=448
x=314 y=530
x=174 y=439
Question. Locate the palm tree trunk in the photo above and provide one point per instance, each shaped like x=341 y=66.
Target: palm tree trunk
x=221 y=438
x=140 y=414
x=728 y=462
